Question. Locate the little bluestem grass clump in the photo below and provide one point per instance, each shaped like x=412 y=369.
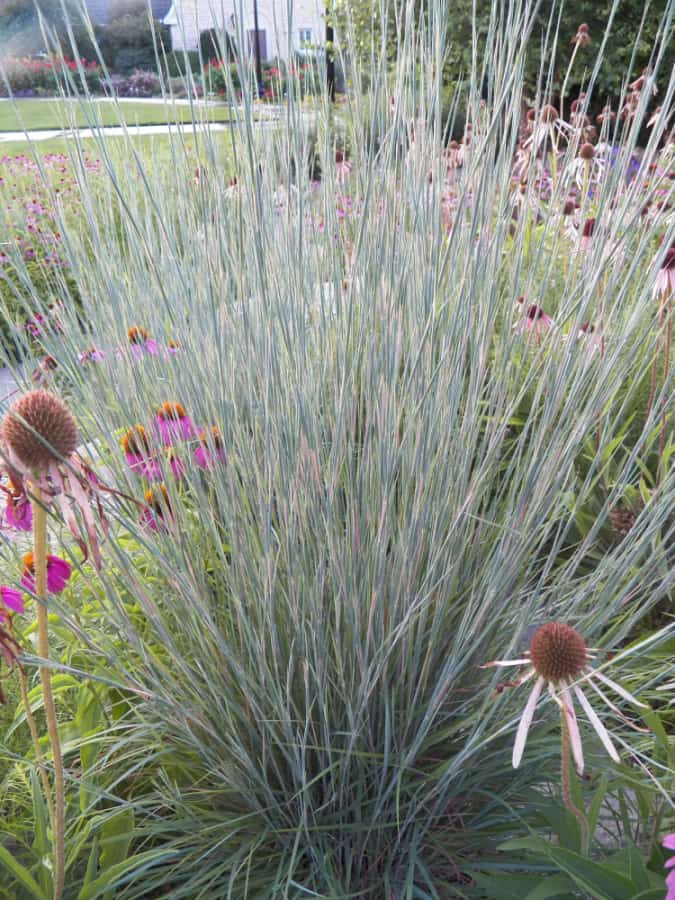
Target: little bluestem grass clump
x=408 y=469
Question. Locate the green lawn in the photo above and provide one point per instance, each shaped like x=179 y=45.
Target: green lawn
x=153 y=149
x=47 y=114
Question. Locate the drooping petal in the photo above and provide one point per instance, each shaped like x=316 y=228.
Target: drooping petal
x=525 y=722
x=600 y=729
x=621 y=691
x=573 y=727
x=83 y=502
x=615 y=709
x=669 y=842
x=505 y=662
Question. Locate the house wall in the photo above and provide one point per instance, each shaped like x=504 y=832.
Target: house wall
x=188 y=18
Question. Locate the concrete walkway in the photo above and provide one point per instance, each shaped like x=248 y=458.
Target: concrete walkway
x=112 y=131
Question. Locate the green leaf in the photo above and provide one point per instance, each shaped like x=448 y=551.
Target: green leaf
x=21 y=874
x=596 y=805
x=116 y=835
x=601 y=882
x=555 y=886
x=112 y=876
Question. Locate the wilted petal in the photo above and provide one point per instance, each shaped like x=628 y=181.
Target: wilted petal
x=505 y=662
x=621 y=691
x=525 y=722
x=597 y=724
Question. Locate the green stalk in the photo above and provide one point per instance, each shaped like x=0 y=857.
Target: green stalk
x=40 y=563
x=565 y=784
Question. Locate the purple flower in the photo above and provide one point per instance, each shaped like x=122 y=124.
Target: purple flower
x=172 y=422
x=10 y=599
x=669 y=844
x=210 y=449
x=58 y=573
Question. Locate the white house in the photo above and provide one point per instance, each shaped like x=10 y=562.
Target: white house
x=277 y=30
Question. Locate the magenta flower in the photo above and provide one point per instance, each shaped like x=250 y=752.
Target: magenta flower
x=155 y=514
x=669 y=844
x=91 y=355
x=58 y=573
x=535 y=320
x=10 y=599
x=210 y=449
x=137 y=450
x=172 y=422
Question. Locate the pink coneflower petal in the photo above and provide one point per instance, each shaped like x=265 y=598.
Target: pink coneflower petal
x=621 y=691
x=573 y=726
x=11 y=599
x=669 y=844
x=152 y=347
x=525 y=722
x=600 y=729
x=58 y=573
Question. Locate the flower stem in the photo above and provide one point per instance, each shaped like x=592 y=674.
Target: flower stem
x=40 y=561
x=30 y=718
x=566 y=785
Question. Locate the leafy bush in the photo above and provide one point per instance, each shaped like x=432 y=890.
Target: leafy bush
x=127 y=44
x=178 y=63
x=46 y=76
x=139 y=84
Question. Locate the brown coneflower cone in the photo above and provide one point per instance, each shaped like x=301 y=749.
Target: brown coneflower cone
x=39 y=430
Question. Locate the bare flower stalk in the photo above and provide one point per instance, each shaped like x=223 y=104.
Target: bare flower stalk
x=40 y=558
x=35 y=738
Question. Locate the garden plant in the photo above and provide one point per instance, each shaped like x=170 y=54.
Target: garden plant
x=338 y=489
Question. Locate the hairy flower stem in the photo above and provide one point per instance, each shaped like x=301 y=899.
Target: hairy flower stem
x=30 y=718
x=40 y=562
x=566 y=786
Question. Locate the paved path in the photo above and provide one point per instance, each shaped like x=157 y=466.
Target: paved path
x=111 y=131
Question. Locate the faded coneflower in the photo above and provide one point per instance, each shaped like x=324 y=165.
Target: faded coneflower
x=39 y=440
x=535 y=320
x=172 y=422
x=58 y=573
x=582 y=38
x=90 y=355
x=559 y=659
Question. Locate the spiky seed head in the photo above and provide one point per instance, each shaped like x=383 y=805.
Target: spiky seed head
x=39 y=430
x=569 y=207
x=587 y=151
x=622 y=521
x=549 y=113
x=558 y=652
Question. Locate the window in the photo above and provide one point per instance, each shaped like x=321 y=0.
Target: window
x=305 y=36
x=262 y=42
